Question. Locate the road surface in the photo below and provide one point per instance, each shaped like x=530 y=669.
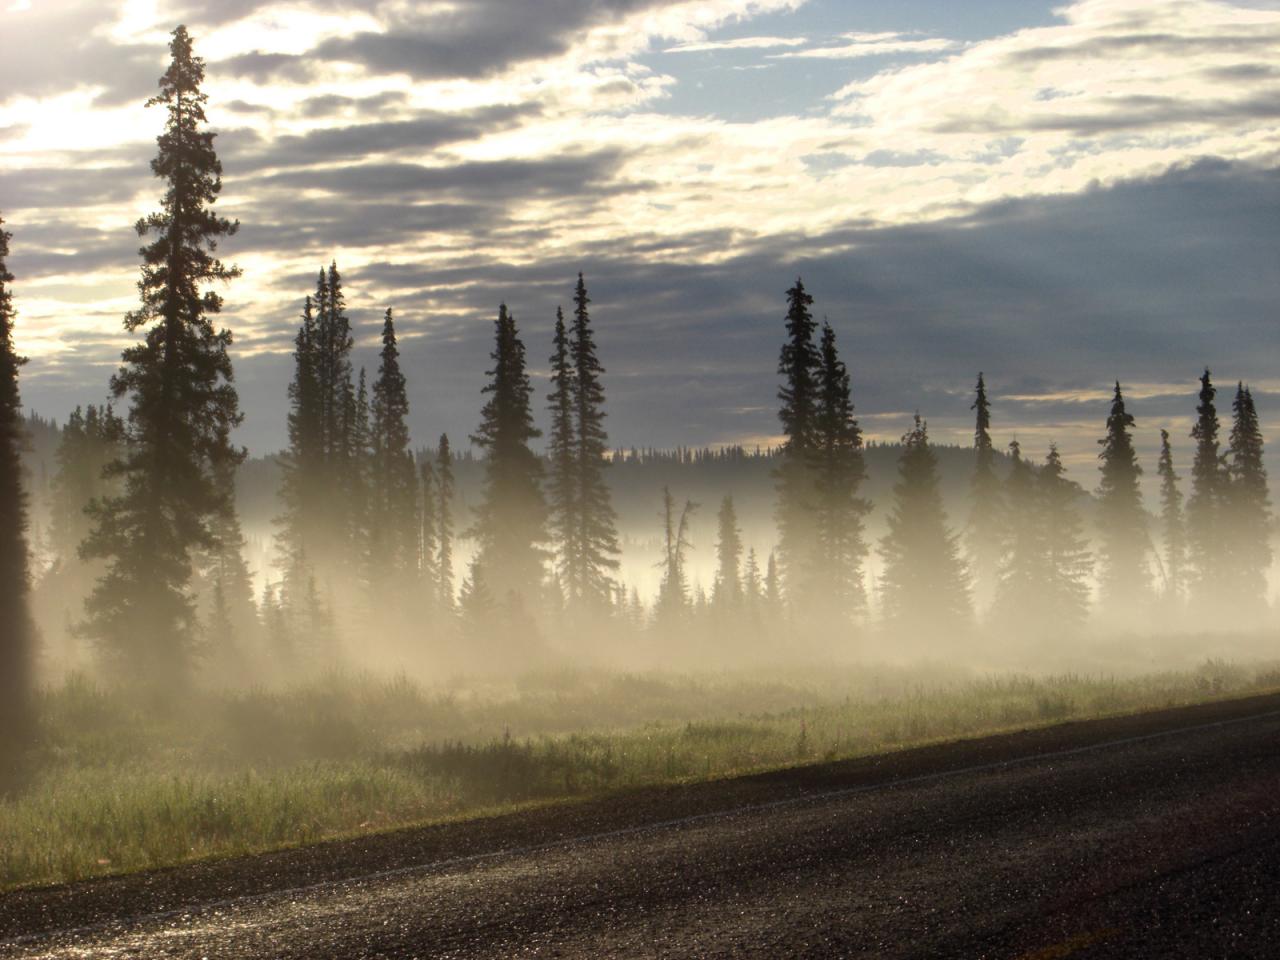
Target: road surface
x=1150 y=836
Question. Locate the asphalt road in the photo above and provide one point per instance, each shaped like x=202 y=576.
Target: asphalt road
x=1153 y=836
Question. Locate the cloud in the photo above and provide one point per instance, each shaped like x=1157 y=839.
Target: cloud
x=427 y=130
x=871 y=45
x=1010 y=198
x=739 y=43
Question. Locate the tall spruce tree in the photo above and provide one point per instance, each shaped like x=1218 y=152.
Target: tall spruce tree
x=1206 y=536
x=510 y=521
x=985 y=531
x=303 y=465
x=1067 y=563
x=183 y=406
x=1124 y=577
x=444 y=520
x=924 y=588
x=800 y=365
x=727 y=591
x=17 y=632
x=562 y=484
x=1247 y=512
x=1172 y=527
x=393 y=490
x=591 y=584
x=838 y=472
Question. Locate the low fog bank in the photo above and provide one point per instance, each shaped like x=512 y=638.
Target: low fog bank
x=672 y=612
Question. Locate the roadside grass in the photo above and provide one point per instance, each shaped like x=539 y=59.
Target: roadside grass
x=119 y=788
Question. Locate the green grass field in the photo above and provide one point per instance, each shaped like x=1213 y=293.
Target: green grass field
x=119 y=788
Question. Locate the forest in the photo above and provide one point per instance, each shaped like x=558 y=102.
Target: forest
x=148 y=562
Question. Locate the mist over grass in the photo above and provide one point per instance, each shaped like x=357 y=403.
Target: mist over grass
x=123 y=786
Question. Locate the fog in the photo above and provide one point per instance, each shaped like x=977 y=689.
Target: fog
x=1016 y=616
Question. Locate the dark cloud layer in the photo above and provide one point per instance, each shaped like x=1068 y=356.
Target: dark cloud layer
x=246 y=152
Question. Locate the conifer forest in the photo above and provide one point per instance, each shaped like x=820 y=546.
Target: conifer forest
x=356 y=631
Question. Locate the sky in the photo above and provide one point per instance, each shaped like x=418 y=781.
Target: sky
x=1058 y=194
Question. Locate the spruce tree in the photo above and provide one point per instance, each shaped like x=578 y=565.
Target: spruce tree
x=510 y=521
x=1173 y=526
x=1067 y=563
x=799 y=365
x=752 y=583
x=1124 y=577
x=562 y=486
x=303 y=465
x=727 y=592
x=17 y=632
x=428 y=533
x=355 y=472
x=985 y=532
x=1206 y=537
x=838 y=472
x=343 y=431
x=590 y=583
x=1247 y=513
x=673 y=606
x=444 y=520
x=924 y=588
x=392 y=505
x=183 y=406
x=772 y=586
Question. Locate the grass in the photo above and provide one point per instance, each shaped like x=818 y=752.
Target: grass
x=121 y=788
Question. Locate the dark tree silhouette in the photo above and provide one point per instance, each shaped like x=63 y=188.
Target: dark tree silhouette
x=1172 y=526
x=838 y=472
x=727 y=592
x=444 y=520
x=393 y=492
x=984 y=533
x=354 y=478
x=428 y=533
x=1067 y=563
x=799 y=365
x=303 y=465
x=510 y=521
x=183 y=407
x=1206 y=538
x=672 y=608
x=562 y=487
x=17 y=632
x=325 y=470
x=924 y=588
x=1122 y=523
x=590 y=582
x=1247 y=511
